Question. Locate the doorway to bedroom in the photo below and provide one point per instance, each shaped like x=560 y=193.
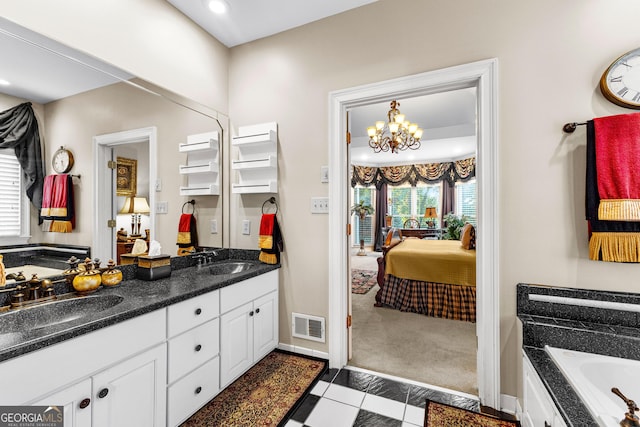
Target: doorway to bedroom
x=483 y=76
x=396 y=196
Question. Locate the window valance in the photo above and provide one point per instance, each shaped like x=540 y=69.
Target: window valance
x=452 y=172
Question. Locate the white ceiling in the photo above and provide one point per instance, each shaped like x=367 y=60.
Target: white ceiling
x=448 y=120
x=248 y=20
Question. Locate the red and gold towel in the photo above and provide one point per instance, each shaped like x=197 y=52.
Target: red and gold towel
x=58 y=212
x=618 y=166
x=187 y=234
x=269 y=239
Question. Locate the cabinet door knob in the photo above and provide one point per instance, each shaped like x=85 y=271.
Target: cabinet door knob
x=84 y=403
x=257 y=310
x=198 y=311
x=198 y=347
x=198 y=390
x=251 y=313
x=103 y=393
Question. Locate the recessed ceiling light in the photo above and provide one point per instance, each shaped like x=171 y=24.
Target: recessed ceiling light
x=4 y=82
x=217 y=6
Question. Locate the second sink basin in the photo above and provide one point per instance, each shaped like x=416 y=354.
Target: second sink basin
x=232 y=267
x=55 y=312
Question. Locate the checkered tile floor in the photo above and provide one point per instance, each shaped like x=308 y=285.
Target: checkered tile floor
x=346 y=398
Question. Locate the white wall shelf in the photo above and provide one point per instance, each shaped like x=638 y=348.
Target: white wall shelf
x=202 y=168
x=256 y=165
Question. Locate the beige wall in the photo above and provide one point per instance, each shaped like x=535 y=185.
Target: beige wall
x=148 y=38
x=551 y=55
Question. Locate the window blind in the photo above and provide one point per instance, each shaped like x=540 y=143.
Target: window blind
x=10 y=195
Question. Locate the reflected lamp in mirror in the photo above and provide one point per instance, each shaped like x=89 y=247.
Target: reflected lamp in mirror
x=430 y=216
x=136 y=206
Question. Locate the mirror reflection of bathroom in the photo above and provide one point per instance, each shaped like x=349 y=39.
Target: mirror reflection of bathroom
x=76 y=100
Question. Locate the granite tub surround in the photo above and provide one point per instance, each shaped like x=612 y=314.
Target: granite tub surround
x=42 y=254
x=599 y=322
x=135 y=297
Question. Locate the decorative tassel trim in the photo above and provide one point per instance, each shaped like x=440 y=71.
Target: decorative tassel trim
x=61 y=227
x=265 y=242
x=615 y=247
x=619 y=210
x=268 y=258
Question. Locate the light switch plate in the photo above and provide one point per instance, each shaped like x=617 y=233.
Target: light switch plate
x=213 y=225
x=162 y=207
x=246 y=227
x=319 y=205
x=324 y=174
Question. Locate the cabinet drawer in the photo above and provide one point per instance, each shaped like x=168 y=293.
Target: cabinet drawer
x=193 y=348
x=190 y=393
x=192 y=312
x=243 y=292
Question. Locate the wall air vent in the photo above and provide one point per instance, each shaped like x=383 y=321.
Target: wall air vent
x=307 y=327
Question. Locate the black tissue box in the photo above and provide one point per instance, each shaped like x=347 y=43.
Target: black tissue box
x=153 y=267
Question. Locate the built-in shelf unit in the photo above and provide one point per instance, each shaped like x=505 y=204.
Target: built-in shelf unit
x=257 y=163
x=202 y=168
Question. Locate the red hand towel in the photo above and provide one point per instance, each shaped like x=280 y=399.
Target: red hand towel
x=617 y=147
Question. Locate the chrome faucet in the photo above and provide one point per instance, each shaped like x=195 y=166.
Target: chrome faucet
x=630 y=418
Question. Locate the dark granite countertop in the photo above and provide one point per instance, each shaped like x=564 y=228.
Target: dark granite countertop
x=138 y=297
x=584 y=327
x=574 y=412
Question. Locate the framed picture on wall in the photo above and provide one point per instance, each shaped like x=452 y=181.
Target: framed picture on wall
x=126 y=180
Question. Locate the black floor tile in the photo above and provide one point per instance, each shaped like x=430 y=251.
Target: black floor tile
x=329 y=375
x=371 y=419
x=418 y=397
x=390 y=389
x=353 y=379
x=305 y=407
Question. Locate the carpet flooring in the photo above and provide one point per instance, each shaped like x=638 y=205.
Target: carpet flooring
x=264 y=395
x=441 y=415
x=362 y=280
x=431 y=350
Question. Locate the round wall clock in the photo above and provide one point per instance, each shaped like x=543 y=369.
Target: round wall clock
x=620 y=83
x=62 y=160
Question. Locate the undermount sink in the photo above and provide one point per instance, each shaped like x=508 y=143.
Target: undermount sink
x=232 y=267
x=55 y=312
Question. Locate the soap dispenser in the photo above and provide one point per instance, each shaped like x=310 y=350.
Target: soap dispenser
x=89 y=280
x=112 y=276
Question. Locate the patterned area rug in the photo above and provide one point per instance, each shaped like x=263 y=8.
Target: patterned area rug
x=441 y=415
x=264 y=395
x=362 y=280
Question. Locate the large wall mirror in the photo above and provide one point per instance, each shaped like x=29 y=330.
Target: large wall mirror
x=100 y=112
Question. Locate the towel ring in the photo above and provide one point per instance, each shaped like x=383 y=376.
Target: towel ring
x=193 y=205
x=271 y=200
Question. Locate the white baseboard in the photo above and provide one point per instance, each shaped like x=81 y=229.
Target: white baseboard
x=510 y=405
x=304 y=351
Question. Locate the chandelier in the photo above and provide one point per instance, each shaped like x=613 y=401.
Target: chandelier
x=396 y=134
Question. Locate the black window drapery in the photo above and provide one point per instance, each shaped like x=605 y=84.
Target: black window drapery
x=19 y=130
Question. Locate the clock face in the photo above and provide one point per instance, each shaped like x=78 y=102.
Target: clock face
x=620 y=84
x=62 y=161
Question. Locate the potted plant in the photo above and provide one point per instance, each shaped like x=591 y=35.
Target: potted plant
x=362 y=210
x=453 y=226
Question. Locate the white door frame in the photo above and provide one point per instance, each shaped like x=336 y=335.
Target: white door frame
x=104 y=237
x=483 y=76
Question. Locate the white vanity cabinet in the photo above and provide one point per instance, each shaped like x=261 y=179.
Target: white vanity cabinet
x=113 y=376
x=248 y=324
x=538 y=407
x=194 y=363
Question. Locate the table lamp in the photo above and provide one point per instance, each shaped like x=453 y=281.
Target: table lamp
x=136 y=206
x=430 y=215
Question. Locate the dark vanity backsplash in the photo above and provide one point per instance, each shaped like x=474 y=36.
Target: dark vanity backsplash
x=42 y=254
x=592 y=321
x=34 y=257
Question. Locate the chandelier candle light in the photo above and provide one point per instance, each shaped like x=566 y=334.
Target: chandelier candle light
x=403 y=134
